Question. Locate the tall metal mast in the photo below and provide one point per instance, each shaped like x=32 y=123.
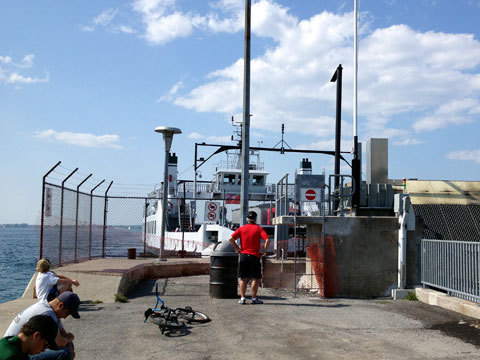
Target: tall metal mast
x=246 y=118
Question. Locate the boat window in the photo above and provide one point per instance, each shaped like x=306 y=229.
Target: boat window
x=229 y=179
x=257 y=180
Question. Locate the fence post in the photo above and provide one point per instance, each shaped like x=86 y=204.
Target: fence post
x=76 y=215
x=145 y=229
x=61 y=217
x=91 y=217
x=105 y=220
x=42 y=220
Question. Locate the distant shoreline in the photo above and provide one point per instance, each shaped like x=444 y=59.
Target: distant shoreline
x=21 y=225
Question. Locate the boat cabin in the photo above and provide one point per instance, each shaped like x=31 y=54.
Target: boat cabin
x=229 y=181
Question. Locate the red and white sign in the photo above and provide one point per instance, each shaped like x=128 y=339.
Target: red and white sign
x=309 y=194
x=212 y=211
x=232 y=199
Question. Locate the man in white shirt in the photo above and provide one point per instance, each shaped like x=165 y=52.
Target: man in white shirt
x=59 y=308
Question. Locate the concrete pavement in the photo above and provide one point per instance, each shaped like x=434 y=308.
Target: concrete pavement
x=283 y=328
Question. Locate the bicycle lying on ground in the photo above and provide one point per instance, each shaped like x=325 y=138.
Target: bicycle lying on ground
x=173 y=319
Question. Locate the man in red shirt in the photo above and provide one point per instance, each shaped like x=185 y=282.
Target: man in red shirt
x=250 y=236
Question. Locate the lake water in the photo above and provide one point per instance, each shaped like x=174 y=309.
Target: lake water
x=18 y=258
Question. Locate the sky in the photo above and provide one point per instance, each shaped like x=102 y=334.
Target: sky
x=86 y=83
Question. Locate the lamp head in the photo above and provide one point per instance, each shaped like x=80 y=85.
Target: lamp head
x=168 y=133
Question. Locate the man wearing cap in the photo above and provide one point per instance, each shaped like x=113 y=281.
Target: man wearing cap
x=37 y=333
x=250 y=236
x=65 y=304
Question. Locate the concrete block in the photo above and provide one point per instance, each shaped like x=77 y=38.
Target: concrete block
x=400 y=294
x=445 y=301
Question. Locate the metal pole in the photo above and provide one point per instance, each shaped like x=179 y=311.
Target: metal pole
x=104 y=239
x=355 y=67
x=195 y=184
x=183 y=218
x=76 y=215
x=91 y=217
x=246 y=117
x=337 y=77
x=61 y=218
x=163 y=224
x=356 y=167
x=145 y=229
x=42 y=220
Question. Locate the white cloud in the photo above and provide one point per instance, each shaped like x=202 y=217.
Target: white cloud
x=9 y=71
x=126 y=29
x=257 y=135
x=402 y=73
x=80 y=139
x=5 y=59
x=15 y=78
x=171 y=93
x=468 y=155
x=105 y=18
x=455 y=112
x=28 y=61
x=219 y=139
x=87 y=28
x=407 y=142
x=164 y=21
x=195 y=135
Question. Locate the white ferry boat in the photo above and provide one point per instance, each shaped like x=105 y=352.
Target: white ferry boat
x=202 y=213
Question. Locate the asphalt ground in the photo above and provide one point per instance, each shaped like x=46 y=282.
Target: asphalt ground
x=284 y=327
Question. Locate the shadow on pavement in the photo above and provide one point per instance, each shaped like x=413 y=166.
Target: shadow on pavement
x=307 y=305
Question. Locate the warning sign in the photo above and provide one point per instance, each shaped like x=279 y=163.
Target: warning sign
x=48 y=202
x=212 y=211
x=310 y=194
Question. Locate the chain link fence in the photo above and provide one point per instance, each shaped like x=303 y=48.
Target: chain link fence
x=79 y=226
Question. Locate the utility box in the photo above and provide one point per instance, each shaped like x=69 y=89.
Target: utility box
x=377 y=161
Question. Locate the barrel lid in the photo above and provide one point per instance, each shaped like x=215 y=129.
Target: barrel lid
x=223 y=248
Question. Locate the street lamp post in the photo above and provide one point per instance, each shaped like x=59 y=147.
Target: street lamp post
x=168 y=133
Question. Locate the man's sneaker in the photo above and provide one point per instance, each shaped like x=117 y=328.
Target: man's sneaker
x=256 y=301
x=242 y=301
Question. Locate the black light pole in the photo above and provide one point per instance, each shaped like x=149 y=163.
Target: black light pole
x=246 y=118
x=337 y=77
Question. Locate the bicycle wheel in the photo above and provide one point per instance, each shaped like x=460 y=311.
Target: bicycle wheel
x=191 y=315
x=166 y=324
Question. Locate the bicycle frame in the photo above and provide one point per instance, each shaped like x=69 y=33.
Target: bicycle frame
x=159 y=299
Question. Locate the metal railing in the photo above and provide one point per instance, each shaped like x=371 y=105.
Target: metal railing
x=453 y=266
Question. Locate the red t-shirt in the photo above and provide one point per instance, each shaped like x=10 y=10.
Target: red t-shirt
x=250 y=235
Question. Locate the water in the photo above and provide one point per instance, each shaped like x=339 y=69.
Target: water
x=18 y=258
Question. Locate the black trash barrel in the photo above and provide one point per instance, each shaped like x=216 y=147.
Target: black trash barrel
x=132 y=253
x=223 y=271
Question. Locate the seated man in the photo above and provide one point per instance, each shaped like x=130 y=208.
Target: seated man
x=65 y=304
x=37 y=333
x=48 y=284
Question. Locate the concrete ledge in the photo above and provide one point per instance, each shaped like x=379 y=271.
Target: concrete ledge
x=400 y=294
x=101 y=279
x=445 y=301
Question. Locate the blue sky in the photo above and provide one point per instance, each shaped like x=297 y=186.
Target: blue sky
x=86 y=82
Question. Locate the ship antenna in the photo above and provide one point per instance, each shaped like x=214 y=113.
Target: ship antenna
x=282 y=142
